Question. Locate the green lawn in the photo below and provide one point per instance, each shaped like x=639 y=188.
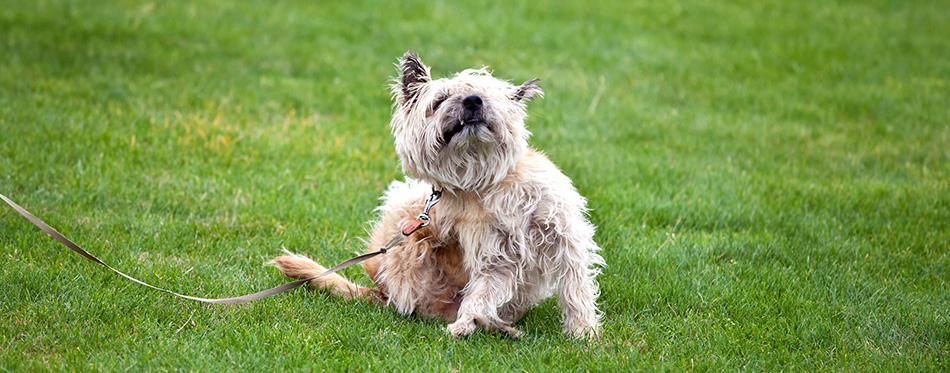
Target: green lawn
x=770 y=179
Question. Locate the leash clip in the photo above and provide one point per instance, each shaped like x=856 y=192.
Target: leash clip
x=423 y=219
x=434 y=198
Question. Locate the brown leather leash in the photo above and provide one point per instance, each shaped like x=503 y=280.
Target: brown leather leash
x=421 y=221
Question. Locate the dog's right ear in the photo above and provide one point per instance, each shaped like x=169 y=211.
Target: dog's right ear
x=412 y=75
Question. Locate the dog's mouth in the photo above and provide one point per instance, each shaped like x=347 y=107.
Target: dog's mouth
x=458 y=127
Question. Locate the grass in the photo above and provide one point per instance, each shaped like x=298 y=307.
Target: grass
x=770 y=179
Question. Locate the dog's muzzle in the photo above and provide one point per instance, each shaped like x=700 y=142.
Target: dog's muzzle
x=471 y=116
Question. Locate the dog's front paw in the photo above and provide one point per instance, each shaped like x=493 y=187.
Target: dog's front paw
x=509 y=332
x=464 y=326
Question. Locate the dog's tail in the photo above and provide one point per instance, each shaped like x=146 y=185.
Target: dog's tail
x=298 y=266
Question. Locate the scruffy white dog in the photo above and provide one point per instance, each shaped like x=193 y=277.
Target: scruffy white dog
x=510 y=231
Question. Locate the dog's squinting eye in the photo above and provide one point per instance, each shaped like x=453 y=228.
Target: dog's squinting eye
x=438 y=102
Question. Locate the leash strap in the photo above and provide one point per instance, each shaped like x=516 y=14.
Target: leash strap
x=434 y=198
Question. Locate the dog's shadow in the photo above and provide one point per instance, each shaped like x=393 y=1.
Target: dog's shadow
x=541 y=321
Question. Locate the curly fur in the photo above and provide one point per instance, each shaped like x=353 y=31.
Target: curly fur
x=511 y=229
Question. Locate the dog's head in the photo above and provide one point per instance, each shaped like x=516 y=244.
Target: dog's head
x=463 y=133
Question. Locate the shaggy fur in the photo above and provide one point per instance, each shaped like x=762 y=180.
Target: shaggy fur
x=510 y=231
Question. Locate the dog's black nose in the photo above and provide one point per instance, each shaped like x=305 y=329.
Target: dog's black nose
x=472 y=103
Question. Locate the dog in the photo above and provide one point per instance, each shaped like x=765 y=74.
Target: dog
x=510 y=231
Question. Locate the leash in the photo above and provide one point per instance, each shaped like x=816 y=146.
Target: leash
x=421 y=221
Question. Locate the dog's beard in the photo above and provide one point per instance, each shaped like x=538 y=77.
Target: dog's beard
x=469 y=164
x=467 y=132
x=467 y=155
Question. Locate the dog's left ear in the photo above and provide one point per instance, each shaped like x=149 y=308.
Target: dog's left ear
x=412 y=75
x=527 y=91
